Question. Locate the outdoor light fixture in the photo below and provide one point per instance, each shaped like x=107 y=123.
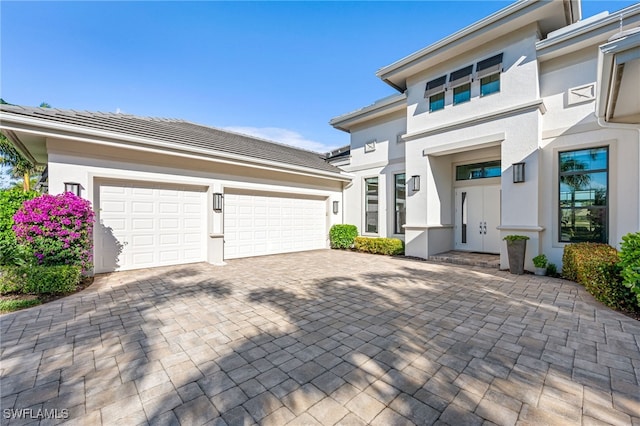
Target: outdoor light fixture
x=518 y=172
x=72 y=187
x=415 y=183
x=217 y=201
x=336 y=207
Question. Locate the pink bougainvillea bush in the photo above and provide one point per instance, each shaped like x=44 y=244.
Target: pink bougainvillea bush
x=58 y=229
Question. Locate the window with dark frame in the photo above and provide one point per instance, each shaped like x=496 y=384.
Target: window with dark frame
x=488 y=169
x=488 y=72
x=371 y=205
x=490 y=84
x=584 y=195
x=460 y=81
x=435 y=93
x=400 y=202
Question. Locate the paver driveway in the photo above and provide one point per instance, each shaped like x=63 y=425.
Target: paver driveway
x=323 y=337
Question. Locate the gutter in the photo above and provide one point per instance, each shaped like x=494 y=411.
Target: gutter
x=116 y=140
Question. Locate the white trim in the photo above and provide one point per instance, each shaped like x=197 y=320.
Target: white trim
x=525 y=228
x=503 y=113
x=421 y=226
x=379 y=108
x=465 y=145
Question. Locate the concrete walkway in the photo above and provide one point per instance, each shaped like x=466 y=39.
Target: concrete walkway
x=323 y=337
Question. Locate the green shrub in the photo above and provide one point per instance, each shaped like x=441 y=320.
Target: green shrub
x=39 y=279
x=16 y=305
x=515 y=238
x=10 y=201
x=552 y=269
x=540 y=261
x=630 y=263
x=342 y=236
x=596 y=267
x=389 y=246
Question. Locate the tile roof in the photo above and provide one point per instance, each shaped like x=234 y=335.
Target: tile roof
x=179 y=132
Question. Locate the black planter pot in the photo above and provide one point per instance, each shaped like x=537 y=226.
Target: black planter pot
x=516 y=250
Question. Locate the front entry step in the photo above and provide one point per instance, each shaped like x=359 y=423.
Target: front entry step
x=458 y=257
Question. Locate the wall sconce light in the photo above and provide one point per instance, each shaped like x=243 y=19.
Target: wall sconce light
x=217 y=201
x=336 y=207
x=415 y=183
x=518 y=172
x=72 y=187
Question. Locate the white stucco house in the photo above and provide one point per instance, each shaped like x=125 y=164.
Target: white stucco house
x=526 y=122
x=168 y=192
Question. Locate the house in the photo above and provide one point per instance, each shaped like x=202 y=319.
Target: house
x=525 y=122
x=169 y=191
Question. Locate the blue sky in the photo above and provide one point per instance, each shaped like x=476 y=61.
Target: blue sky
x=279 y=70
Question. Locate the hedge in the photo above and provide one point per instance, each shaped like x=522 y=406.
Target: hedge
x=389 y=246
x=342 y=236
x=630 y=263
x=38 y=279
x=596 y=267
x=10 y=202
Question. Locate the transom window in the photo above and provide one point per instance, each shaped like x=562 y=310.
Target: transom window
x=400 y=197
x=488 y=169
x=371 y=205
x=584 y=195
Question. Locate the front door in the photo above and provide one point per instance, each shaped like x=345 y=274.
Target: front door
x=477 y=218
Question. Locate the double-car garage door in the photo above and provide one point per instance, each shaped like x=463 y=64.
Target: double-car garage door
x=145 y=225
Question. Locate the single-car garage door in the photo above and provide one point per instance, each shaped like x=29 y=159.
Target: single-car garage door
x=145 y=225
x=258 y=223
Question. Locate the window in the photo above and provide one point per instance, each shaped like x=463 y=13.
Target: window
x=400 y=197
x=461 y=82
x=462 y=94
x=490 y=84
x=435 y=93
x=583 y=195
x=485 y=170
x=436 y=102
x=488 y=71
x=371 y=205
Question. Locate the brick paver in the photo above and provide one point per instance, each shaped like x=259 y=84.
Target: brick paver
x=323 y=337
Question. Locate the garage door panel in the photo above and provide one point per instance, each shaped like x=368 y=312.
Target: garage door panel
x=154 y=226
x=256 y=224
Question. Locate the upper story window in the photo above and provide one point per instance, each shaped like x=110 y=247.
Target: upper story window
x=435 y=93
x=488 y=72
x=460 y=81
x=584 y=195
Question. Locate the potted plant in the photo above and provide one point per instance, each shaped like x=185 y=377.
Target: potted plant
x=540 y=262
x=516 y=249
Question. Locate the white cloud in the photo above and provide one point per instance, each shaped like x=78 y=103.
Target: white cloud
x=284 y=136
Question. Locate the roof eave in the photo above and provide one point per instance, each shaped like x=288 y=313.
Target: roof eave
x=13 y=123
x=379 y=109
x=385 y=73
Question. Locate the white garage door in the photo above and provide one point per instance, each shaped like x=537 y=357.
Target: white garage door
x=142 y=226
x=257 y=224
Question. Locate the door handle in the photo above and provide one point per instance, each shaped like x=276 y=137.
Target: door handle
x=480 y=228
x=485 y=228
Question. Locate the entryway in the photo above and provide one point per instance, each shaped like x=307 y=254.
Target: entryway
x=477 y=216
